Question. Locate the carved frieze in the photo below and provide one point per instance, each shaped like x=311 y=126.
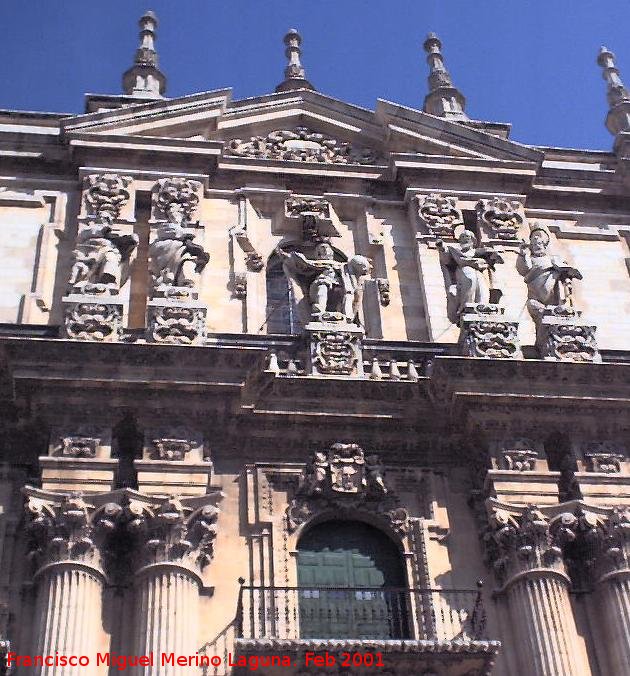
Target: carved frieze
x=343 y=479
x=439 y=215
x=106 y=194
x=301 y=144
x=500 y=217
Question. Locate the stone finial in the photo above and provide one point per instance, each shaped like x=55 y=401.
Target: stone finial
x=294 y=73
x=618 y=118
x=443 y=99
x=144 y=79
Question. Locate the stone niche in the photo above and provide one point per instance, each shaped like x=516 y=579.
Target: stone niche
x=79 y=459
x=175 y=460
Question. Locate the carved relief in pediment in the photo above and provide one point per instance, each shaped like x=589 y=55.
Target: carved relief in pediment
x=301 y=144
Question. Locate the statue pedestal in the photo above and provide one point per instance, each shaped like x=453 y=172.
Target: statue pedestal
x=486 y=333
x=92 y=317
x=335 y=348
x=176 y=322
x=561 y=335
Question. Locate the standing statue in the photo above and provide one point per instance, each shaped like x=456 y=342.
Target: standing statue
x=174 y=259
x=99 y=257
x=334 y=288
x=548 y=278
x=469 y=268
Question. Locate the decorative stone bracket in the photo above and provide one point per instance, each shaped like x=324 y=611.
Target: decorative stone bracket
x=485 y=333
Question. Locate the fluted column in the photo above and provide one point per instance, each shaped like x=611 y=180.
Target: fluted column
x=67 y=537
x=177 y=543
x=525 y=549
x=612 y=568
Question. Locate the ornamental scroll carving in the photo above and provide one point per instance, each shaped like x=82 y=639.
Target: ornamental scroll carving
x=176 y=194
x=344 y=479
x=301 y=144
x=106 y=194
x=439 y=214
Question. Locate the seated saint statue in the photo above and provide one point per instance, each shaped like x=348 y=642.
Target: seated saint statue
x=99 y=256
x=333 y=288
x=174 y=259
x=469 y=267
x=548 y=278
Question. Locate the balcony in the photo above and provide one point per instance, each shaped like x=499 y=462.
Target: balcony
x=400 y=631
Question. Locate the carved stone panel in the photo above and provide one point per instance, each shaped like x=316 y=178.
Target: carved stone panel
x=176 y=193
x=335 y=349
x=301 y=144
x=106 y=195
x=485 y=333
x=89 y=318
x=439 y=215
x=501 y=218
x=563 y=336
x=175 y=323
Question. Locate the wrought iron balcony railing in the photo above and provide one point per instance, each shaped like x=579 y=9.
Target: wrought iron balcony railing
x=360 y=613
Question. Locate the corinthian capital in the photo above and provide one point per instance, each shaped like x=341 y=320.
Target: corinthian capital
x=68 y=528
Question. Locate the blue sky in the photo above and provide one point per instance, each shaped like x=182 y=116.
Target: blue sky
x=528 y=62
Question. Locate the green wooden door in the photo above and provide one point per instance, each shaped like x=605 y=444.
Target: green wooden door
x=346 y=555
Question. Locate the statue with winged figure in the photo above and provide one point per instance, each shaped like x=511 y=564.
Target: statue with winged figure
x=332 y=289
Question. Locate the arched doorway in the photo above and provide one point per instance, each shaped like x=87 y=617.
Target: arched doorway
x=352 y=583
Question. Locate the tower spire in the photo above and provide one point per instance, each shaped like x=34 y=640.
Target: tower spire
x=443 y=99
x=144 y=79
x=618 y=118
x=294 y=73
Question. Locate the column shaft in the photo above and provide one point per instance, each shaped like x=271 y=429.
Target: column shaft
x=544 y=626
x=167 y=608
x=68 y=615
x=614 y=597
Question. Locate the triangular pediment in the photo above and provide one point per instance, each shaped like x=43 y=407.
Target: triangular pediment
x=301 y=125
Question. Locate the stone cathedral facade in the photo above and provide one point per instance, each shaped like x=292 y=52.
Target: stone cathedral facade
x=293 y=386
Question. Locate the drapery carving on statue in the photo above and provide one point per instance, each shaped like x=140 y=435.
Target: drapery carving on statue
x=549 y=278
x=105 y=195
x=324 y=287
x=69 y=528
x=521 y=541
x=343 y=480
x=101 y=257
x=500 y=217
x=469 y=271
x=175 y=261
x=439 y=214
x=301 y=144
